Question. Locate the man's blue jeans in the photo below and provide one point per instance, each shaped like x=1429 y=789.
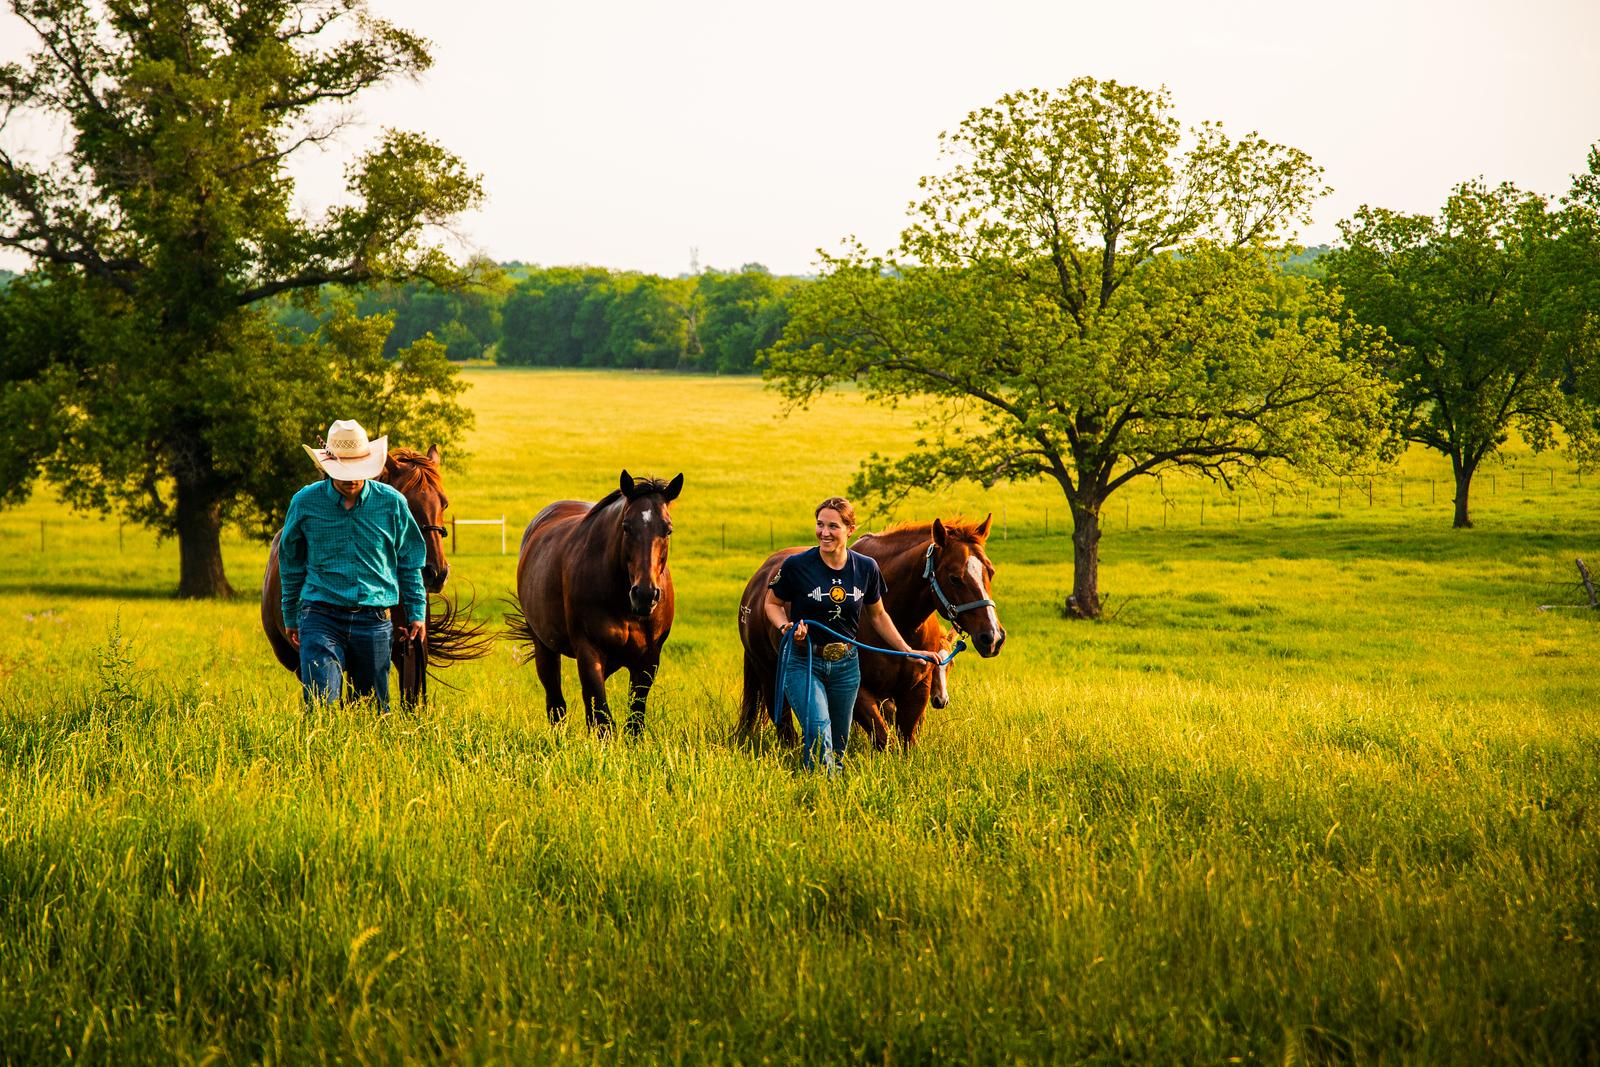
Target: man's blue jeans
x=823 y=696
x=335 y=643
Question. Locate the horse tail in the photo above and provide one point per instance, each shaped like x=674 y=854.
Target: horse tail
x=751 y=706
x=454 y=635
x=516 y=628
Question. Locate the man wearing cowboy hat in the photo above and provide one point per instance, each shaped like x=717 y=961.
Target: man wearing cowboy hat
x=349 y=552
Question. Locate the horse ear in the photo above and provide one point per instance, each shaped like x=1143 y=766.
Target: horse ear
x=983 y=527
x=627 y=484
x=938 y=533
x=674 y=487
x=433 y=453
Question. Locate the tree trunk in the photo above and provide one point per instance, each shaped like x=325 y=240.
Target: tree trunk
x=1085 y=601
x=1463 y=485
x=199 y=521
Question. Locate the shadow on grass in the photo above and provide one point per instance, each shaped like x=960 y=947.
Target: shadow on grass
x=101 y=591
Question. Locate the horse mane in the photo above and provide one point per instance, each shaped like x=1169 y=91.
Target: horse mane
x=641 y=487
x=408 y=462
x=957 y=529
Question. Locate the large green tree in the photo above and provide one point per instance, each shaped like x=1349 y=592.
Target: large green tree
x=1470 y=300
x=143 y=355
x=1088 y=294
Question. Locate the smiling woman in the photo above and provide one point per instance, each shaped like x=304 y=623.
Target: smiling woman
x=839 y=589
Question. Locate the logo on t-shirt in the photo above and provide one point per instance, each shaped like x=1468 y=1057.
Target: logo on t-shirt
x=836 y=595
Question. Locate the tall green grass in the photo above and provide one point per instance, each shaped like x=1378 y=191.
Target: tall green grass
x=1323 y=791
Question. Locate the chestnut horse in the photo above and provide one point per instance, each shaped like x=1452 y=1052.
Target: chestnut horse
x=593 y=584
x=930 y=570
x=450 y=637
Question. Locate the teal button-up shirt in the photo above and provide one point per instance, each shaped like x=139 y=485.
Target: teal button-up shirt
x=367 y=556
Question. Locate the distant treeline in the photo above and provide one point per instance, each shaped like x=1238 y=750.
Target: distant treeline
x=527 y=316
x=714 y=321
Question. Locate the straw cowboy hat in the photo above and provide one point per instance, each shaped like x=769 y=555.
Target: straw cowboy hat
x=350 y=456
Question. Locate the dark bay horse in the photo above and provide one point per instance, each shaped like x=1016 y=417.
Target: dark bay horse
x=452 y=636
x=930 y=571
x=593 y=584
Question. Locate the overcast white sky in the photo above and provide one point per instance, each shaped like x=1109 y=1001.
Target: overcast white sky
x=623 y=134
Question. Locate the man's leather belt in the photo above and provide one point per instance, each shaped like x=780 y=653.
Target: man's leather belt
x=836 y=651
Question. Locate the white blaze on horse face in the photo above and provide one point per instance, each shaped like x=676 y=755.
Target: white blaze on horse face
x=975 y=572
x=646 y=514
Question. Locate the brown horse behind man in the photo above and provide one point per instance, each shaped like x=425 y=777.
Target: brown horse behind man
x=593 y=584
x=928 y=569
x=451 y=636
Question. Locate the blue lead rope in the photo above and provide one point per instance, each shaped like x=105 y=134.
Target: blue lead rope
x=786 y=652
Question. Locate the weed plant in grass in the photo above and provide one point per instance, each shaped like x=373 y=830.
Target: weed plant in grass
x=1324 y=790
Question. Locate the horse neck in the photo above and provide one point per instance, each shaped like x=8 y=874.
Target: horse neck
x=909 y=600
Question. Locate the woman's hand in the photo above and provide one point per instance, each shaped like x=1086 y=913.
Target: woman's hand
x=799 y=632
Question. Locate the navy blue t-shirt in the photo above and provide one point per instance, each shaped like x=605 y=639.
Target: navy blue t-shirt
x=816 y=592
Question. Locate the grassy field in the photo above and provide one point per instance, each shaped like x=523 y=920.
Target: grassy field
x=1323 y=791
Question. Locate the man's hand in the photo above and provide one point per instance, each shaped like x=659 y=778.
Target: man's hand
x=415 y=631
x=294 y=638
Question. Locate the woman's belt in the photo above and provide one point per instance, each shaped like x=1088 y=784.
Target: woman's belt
x=836 y=651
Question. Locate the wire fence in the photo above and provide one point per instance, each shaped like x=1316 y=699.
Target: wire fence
x=1149 y=504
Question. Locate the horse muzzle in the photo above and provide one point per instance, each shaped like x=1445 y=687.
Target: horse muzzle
x=642 y=599
x=433 y=578
x=988 y=642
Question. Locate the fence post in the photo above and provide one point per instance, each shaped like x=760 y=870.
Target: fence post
x=1238 y=509
x=724 y=537
x=1369 y=492
x=1127 y=514
x=119 y=537
x=1202 y=511
x=41 y=537
x=1005 y=527
x=1047 y=521
x=1402 y=491
x=1433 y=491
x=452 y=537
x=502 y=534
x=770 y=541
x=1340 y=497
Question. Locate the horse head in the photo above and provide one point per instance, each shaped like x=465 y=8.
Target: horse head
x=960 y=573
x=416 y=476
x=646 y=529
x=939 y=684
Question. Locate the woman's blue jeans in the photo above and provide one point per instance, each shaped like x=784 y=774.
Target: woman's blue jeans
x=335 y=643
x=823 y=696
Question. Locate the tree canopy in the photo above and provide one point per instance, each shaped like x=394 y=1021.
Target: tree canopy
x=141 y=371
x=1471 y=302
x=1090 y=293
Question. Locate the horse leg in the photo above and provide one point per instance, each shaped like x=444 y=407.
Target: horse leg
x=640 y=679
x=869 y=717
x=547 y=662
x=592 y=678
x=908 y=713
